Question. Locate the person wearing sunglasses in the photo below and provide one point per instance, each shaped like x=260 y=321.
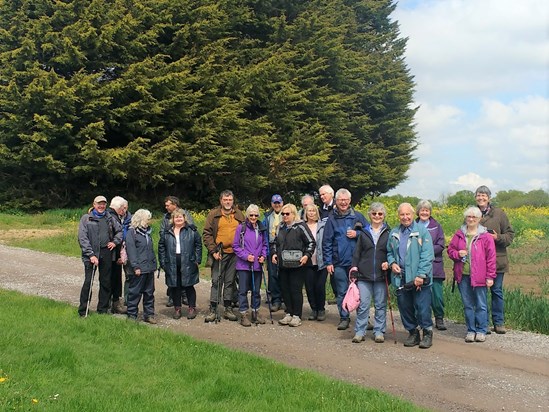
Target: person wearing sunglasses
x=250 y=248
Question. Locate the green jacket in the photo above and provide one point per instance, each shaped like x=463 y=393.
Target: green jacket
x=419 y=255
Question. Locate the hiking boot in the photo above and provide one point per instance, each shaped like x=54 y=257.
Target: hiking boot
x=296 y=321
x=358 y=339
x=370 y=325
x=177 y=313
x=470 y=337
x=412 y=339
x=244 y=319
x=313 y=315
x=150 y=319
x=439 y=324
x=321 y=315
x=191 y=313
x=229 y=314
x=275 y=307
x=210 y=317
x=257 y=318
x=117 y=307
x=285 y=320
x=379 y=339
x=343 y=324
x=480 y=337
x=500 y=329
x=427 y=340
x=169 y=304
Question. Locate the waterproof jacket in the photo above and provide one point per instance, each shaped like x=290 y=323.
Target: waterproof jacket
x=295 y=237
x=191 y=255
x=321 y=225
x=165 y=223
x=496 y=219
x=419 y=255
x=125 y=223
x=481 y=255
x=439 y=243
x=88 y=234
x=337 y=248
x=267 y=219
x=249 y=242
x=140 y=250
x=211 y=227
x=368 y=257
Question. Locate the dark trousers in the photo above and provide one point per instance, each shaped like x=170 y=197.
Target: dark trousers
x=116 y=281
x=315 y=286
x=104 y=269
x=224 y=276
x=274 y=283
x=291 y=285
x=142 y=285
x=178 y=291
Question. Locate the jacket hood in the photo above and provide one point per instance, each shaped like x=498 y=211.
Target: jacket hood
x=481 y=229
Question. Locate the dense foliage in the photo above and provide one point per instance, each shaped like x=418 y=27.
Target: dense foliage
x=188 y=97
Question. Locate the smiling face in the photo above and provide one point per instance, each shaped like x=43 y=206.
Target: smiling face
x=179 y=220
x=376 y=216
x=343 y=203
x=227 y=203
x=406 y=215
x=277 y=206
x=482 y=200
x=424 y=214
x=287 y=215
x=100 y=206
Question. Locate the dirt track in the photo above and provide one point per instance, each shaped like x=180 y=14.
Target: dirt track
x=506 y=373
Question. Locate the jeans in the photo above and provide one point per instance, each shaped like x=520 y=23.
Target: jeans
x=475 y=307
x=223 y=275
x=497 y=300
x=248 y=282
x=377 y=291
x=315 y=286
x=437 y=298
x=291 y=284
x=142 y=285
x=341 y=279
x=274 y=283
x=415 y=308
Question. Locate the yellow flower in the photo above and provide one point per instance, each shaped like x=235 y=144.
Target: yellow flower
x=34 y=400
x=3 y=379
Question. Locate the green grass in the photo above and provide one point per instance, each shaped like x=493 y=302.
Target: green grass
x=52 y=360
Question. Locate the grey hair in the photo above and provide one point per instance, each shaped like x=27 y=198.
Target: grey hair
x=327 y=189
x=307 y=197
x=377 y=207
x=117 y=202
x=343 y=192
x=483 y=189
x=141 y=218
x=406 y=204
x=472 y=211
x=424 y=204
x=252 y=208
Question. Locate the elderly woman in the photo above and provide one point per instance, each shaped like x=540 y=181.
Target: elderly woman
x=292 y=250
x=315 y=278
x=473 y=251
x=370 y=269
x=180 y=254
x=141 y=266
x=250 y=247
x=424 y=210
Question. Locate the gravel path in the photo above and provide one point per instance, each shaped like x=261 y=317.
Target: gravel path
x=506 y=373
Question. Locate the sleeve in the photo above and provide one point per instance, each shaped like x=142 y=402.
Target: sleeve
x=238 y=250
x=207 y=234
x=358 y=249
x=453 y=248
x=506 y=234
x=391 y=256
x=309 y=240
x=162 y=248
x=490 y=252
x=426 y=256
x=439 y=242
x=265 y=243
x=83 y=238
x=327 y=246
x=118 y=232
x=197 y=247
x=131 y=249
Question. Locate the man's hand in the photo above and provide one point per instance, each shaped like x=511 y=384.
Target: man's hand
x=217 y=256
x=111 y=245
x=330 y=269
x=395 y=268
x=94 y=261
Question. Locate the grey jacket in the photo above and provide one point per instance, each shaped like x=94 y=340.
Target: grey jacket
x=140 y=250
x=88 y=234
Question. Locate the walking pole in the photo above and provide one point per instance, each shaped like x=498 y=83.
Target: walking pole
x=219 y=283
x=390 y=306
x=253 y=290
x=267 y=293
x=90 y=294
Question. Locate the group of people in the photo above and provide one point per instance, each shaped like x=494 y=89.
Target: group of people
x=301 y=248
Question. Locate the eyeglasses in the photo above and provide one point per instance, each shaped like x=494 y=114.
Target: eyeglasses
x=377 y=213
x=472 y=217
x=250 y=215
x=285 y=213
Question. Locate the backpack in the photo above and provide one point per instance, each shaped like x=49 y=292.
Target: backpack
x=352 y=297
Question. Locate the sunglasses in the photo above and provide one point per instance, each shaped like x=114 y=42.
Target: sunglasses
x=253 y=215
x=377 y=213
x=285 y=213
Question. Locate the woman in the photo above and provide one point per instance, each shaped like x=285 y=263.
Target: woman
x=180 y=254
x=434 y=228
x=370 y=269
x=250 y=247
x=292 y=250
x=474 y=254
x=141 y=266
x=315 y=277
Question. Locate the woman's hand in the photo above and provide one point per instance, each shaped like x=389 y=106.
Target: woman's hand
x=303 y=260
x=489 y=282
x=462 y=253
x=274 y=259
x=384 y=266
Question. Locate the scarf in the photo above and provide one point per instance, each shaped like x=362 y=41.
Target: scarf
x=97 y=214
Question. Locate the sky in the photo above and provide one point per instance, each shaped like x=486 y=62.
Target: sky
x=481 y=69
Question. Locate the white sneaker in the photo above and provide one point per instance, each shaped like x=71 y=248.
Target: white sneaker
x=470 y=337
x=285 y=320
x=296 y=321
x=481 y=337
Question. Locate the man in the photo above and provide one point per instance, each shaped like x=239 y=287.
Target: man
x=306 y=200
x=220 y=228
x=497 y=223
x=338 y=245
x=410 y=257
x=170 y=204
x=118 y=210
x=98 y=235
x=327 y=198
x=271 y=221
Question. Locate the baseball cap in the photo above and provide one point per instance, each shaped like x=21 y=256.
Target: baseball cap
x=100 y=199
x=276 y=199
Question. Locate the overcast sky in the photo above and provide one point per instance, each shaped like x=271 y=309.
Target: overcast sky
x=481 y=69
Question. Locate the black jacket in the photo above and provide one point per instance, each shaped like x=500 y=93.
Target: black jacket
x=368 y=257
x=139 y=247
x=296 y=237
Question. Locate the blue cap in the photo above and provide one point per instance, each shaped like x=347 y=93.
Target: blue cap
x=276 y=199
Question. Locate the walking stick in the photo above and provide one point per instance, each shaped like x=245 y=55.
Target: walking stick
x=267 y=293
x=90 y=294
x=390 y=306
x=219 y=282
x=253 y=291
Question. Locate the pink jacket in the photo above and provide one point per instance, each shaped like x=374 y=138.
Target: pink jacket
x=482 y=252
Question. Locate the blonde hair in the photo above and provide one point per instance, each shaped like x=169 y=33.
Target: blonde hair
x=312 y=207
x=289 y=207
x=141 y=218
x=178 y=212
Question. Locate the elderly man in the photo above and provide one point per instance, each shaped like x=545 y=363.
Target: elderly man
x=497 y=223
x=326 y=194
x=338 y=245
x=98 y=234
x=306 y=200
x=271 y=221
x=410 y=257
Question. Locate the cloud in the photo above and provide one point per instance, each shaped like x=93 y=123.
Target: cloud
x=471 y=181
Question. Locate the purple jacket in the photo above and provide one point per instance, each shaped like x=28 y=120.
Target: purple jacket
x=253 y=243
x=439 y=243
x=482 y=252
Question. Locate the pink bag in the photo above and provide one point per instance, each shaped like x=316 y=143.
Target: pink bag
x=123 y=254
x=352 y=297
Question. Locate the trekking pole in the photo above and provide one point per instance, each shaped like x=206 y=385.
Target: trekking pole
x=267 y=293
x=90 y=294
x=219 y=282
x=253 y=291
x=390 y=306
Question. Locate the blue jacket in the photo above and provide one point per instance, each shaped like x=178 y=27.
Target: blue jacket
x=337 y=248
x=249 y=245
x=139 y=247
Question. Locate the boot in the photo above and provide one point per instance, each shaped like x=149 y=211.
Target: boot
x=343 y=324
x=439 y=324
x=313 y=315
x=321 y=315
x=412 y=339
x=244 y=320
x=210 y=317
x=117 y=307
x=177 y=313
x=191 y=314
x=256 y=318
x=427 y=340
x=229 y=314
